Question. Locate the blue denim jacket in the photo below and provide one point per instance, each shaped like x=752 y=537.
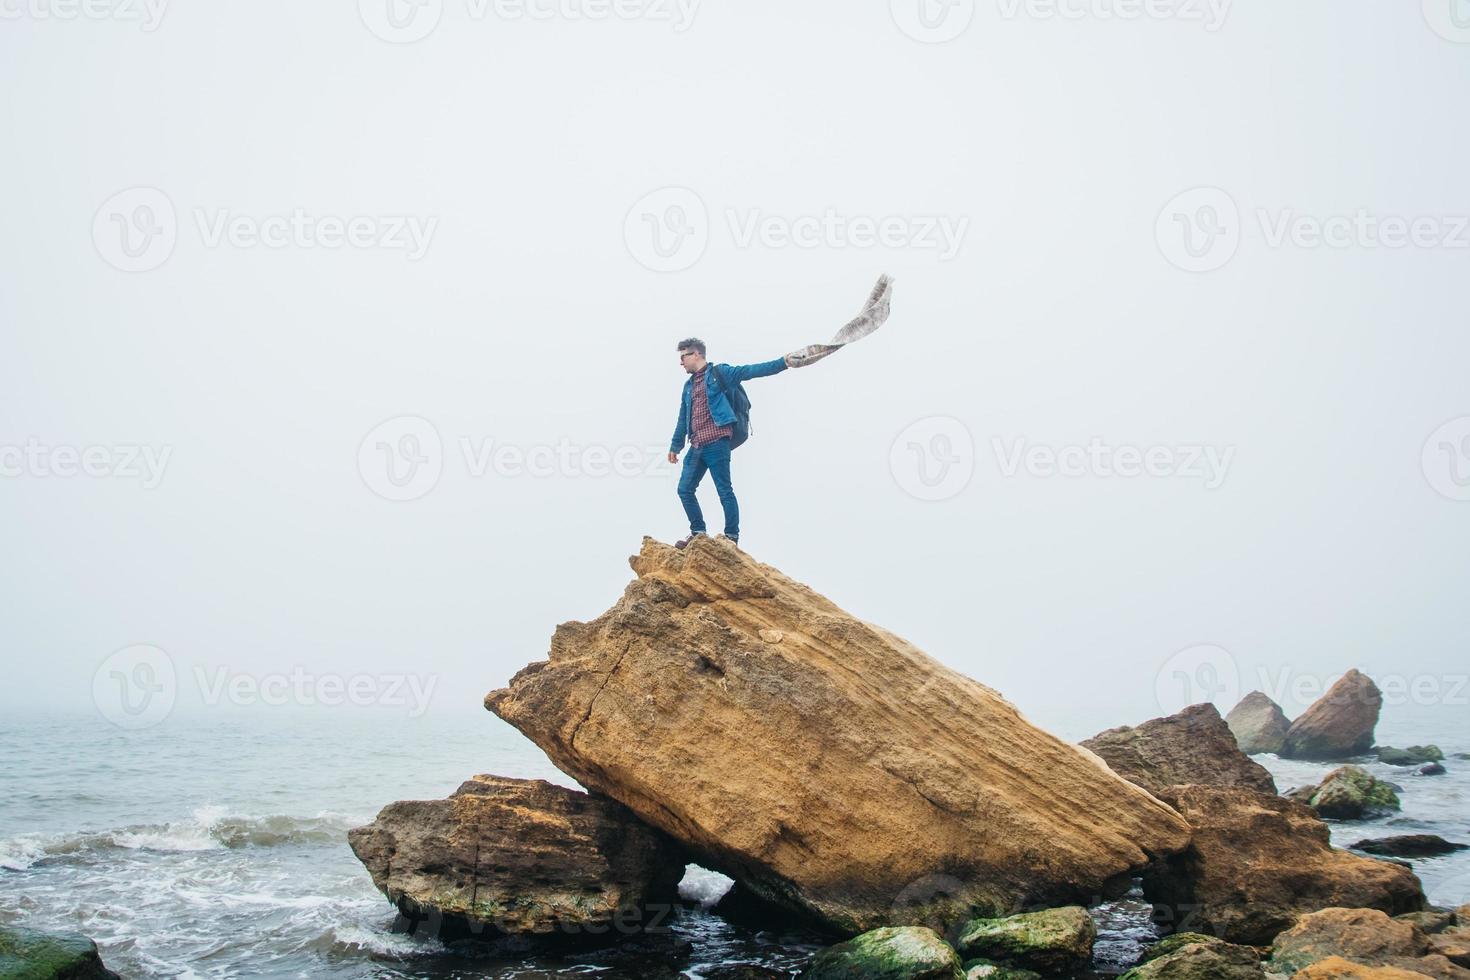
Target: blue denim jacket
x=720 y=411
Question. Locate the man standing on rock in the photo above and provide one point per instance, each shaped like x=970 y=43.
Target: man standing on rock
x=707 y=420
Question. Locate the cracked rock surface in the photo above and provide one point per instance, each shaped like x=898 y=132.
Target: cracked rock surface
x=827 y=764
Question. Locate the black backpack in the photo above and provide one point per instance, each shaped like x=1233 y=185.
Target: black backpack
x=740 y=402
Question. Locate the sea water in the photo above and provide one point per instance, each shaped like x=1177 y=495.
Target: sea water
x=215 y=845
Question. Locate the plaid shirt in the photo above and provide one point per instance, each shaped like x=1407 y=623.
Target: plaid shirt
x=702 y=428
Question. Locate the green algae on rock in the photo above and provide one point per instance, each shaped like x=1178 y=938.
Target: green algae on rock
x=888 y=953
x=1048 y=941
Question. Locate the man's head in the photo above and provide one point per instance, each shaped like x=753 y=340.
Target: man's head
x=691 y=354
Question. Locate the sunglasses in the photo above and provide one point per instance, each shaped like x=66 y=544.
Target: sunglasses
x=688 y=353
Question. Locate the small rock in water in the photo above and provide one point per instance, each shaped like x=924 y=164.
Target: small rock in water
x=27 y=954
x=1351 y=793
x=1433 y=769
x=1409 y=845
x=1413 y=755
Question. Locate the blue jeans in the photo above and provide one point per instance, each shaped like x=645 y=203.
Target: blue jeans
x=715 y=457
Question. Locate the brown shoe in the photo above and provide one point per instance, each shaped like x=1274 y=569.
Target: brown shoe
x=684 y=541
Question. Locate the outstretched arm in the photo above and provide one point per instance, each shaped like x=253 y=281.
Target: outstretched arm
x=744 y=372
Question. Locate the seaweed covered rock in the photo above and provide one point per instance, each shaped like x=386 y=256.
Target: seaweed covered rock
x=30 y=954
x=888 y=953
x=1048 y=941
x=1350 y=793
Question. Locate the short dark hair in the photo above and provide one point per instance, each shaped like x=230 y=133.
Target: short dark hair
x=692 y=343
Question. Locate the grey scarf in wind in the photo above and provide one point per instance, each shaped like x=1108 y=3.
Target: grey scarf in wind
x=875 y=312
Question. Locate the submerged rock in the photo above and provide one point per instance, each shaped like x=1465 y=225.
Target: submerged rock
x=1350 y=793
x=1340 y=724
x=1412 y=756
x=1258 y=724
x=1048 y=941
x=888 y=953
x=29 y=954
x=1431 y=769
x=841 y=771
x=1257 y=862
x=1409 y=845
x=1193 y=746
x=521 y=856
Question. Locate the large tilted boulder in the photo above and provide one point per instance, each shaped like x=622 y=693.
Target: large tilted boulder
x=1193 y=746
x=1363 y=936
x=825 y=763
x=29 y=954
x=1258 y=861
x=1340 y=724
x=1258 y=723
x=521 y=856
